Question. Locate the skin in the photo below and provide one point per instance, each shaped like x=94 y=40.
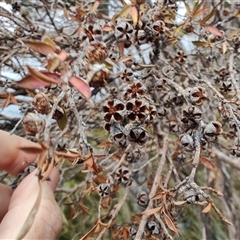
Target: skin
x=15 y=206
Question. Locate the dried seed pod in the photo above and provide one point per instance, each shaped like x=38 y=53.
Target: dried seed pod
x=97 y=52
x=135 y=90
x=117 y=135
x=161 y=112
x=100 y=78
x=154 y=227
x=181 y=157
x=132 y=232
x=181 y=57
x=32 y=124
x=212 y=130
x=136 y=110
x=158 y=28
x=123 y=176
x=91 y=32
x=133 y=156
x=127 y=75
x=191 y=117
x=151 y=114
x=226 y=87
x=173 y=125
x=141 y=37
x=190 y=196
x=168 y=71
x=123 y=31
x=41 y=104
x=142 y=199
x=138 y=135
x=187 y=141
x=113 y=111
x=235 y=152
x=196 y=95
x=104 y=190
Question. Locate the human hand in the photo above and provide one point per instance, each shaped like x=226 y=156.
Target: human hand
x=16 y=206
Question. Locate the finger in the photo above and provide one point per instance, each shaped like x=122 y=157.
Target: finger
x=5 y=195
x=13 y=159
x=48 y=220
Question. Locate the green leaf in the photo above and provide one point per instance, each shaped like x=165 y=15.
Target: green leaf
x=62 y=121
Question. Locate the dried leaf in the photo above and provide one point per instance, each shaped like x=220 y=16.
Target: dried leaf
x=50 y=42
x=196 y=8
x=123 y=13
x=82 y=86
x=170 y=224
x=207 y=208
x=224 y=47
x=31 y=216
x=149 y=212
x=134 y=14
x=200 y=12
x=95 y=6
x=188 y=9
x=39 y=46
x=200 y=44
x=105 y=144
x=158 y=196
x=107 y=28
x=9 y=99
x=179 y=203
x=208 y=17
x=213 y=30
x=124 y=59
x=207 y=163
x=84 y=208
x=227 y=221
x=233 y=33
x=90 y=232
x=53 y=63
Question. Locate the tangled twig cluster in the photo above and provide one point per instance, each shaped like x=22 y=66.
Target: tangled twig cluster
x=122 y=105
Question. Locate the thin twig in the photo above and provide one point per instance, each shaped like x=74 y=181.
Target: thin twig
x=153 y=189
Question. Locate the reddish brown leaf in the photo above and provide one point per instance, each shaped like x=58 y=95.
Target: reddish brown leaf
x=81 y=85
x=39 y=46
x=207 y=208
x=213 y=30
x=207 y=163
x=31 y=82
x=48 y=77
x=9 y=99
x=32 y=149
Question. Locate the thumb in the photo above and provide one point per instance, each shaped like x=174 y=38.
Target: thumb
x=48 y=220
